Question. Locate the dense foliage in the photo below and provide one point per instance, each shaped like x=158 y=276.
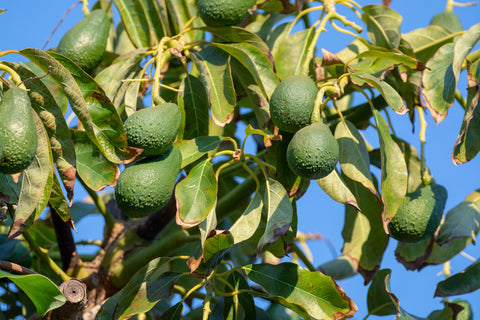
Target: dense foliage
x=206 y=221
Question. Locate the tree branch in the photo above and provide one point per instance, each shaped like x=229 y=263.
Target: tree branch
x=66 y=244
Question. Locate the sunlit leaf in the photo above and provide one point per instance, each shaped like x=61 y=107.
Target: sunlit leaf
x=196 y=195
x=426 y=41
x=216 y=246
x=194 y=149
x=394 y=170
x=387 y=58
x=193 y=100
x=246 y=225
x=59 y=203
x=215 y=74
x=336 y=189
x=310 y=294
x=278 y=209
x=44 y=294
x=383 y=25
x=447 y=19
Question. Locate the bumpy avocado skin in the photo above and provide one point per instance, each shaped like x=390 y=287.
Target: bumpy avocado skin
x=292 y=102
x=85 y=42
x=419 y=215
x=223 y=13
x=313 y=152
x=153 y=129
x=145 y=187
x=18 y=131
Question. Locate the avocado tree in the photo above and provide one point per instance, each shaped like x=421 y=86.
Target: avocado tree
x=195 y=128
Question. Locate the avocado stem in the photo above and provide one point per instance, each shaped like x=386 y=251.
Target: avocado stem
x=426 y=179
x=301 y=255
x=15 y=76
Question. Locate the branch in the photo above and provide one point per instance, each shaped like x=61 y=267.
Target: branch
x=66 y=244
x=76 y=293
x=15 y=268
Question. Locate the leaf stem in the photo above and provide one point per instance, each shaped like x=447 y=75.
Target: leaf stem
x=101 y=206
x=162 y=56
x=15 y=76
x=422 y=136
x=303 y=257
x=44 y=257
x=460 y=99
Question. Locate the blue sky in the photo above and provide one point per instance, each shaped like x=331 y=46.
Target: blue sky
x=29 y=23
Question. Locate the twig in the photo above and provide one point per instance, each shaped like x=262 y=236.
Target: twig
x=59 y=23
x=15 y=268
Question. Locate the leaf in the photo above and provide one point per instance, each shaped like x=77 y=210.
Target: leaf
x=387 y=58
x=180 y=12
x=278 y=210
x=58 y=202
x=295 y=53
x=45 y=105
x=215 y=74
x=383 y=25
x=247 y=224
x=242 y=305
x=426 y=41
x=339 y=268
x=391 y=96
x=194 y=149
x=461 y=221
x=215 y=247
x=336 y=189
x=96 y=171
x=193 y=100
x=466 y=281
x=196 y=195
x=150 y=284
x=353 y=156
x=310 y=294
x=467 y=144
x=364 y=238
x=104 y=128
x=380 y=300
x=37 y=182
x=143 y=20
x=44 y=294
x=9 y=190
x=440 y=80
x=173 y=313
x=394 y=171
x=256 y=62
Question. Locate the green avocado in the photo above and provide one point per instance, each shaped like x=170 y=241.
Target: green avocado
x=85 y=42
x=18 y=131
x=419 y=215
x=154 y=129
x=224 y=13
x=313 y=152
x=292 y=102
x=146 y=186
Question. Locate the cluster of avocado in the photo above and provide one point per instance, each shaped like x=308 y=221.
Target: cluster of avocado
x=313 y=151
x=18 y=133
x=145 y=186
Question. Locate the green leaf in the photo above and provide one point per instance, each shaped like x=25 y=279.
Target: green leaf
x=364 y=238
x=193 y=100
x=96 y=171
x=58 y=202
x=240 y=35
x=391 y=96
x=9 y=189
x=248 y=223
x=310 y=294
x=394 y=170
x=37 y=181
x=104 y=127
x=44 y=294
x=466 y=281
x=339 y=268
x=256 y=62
x=194 y=149
x=447 y=19
x=467 y=144
x=180 y=12
x=383 y=25
x=45 y=105
x=461 y=221
x=385 y=60
x=173 y=313
x=295 y=53
x=150 y=284
x=196 y=195
x=336 y=189
x=353 y=156
x=426 y=41
x=380 y=300
x=216 y=76
x=242 y=306
x=279 y=212
x=440 y=79
x=215 y=247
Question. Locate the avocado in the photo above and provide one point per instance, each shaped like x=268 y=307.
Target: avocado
x=153 y=129
x=18 y=131
x=146 y=186
x=419 y=215
x=223 y=13
x=292 y=102
x=85 y=43
x=313 y=152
